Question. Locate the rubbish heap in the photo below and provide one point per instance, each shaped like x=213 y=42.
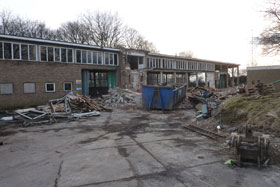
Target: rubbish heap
x=121 y=97
x=71 y=106
x=208 y=99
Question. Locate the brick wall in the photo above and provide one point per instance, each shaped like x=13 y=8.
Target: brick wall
x=265 y=76
x=19 y=72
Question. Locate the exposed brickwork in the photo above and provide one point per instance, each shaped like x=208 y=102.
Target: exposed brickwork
x=19 y=72
x=265 y=76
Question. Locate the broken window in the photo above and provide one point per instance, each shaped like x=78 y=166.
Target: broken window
x=115 y=59
x=43 y=51
x=84 y=56
x=89 y=57
x=100 y=58
x=6 y=88
x=1 y=50
x=78 y=56
x=67 y=86
x=70 y=55
x=16 y=51
x=107 y=58
x=50 y=54
x=29 y=87
x=50 y=87
x=57 y=54
x=32 y=52
x=7 y=50
x=94 y=57
x=24 y=51
x=63 y=55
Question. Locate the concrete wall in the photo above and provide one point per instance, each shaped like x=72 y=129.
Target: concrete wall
x=20 y=72
x=266 y=76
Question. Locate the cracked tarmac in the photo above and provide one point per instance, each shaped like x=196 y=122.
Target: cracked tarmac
x=121 y=148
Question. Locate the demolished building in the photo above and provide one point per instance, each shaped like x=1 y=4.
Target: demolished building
x=33 y=71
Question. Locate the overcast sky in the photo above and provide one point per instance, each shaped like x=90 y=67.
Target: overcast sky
x=215 y=30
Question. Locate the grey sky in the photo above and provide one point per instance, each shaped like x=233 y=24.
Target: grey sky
x=215 y=30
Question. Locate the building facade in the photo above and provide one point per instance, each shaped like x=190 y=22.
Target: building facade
x=266 y=74
x=34 y=71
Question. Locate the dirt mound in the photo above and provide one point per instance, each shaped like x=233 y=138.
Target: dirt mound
x=262 y=112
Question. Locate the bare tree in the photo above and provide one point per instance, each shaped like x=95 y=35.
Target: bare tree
x=73 y=31
x=103 y=28
x=14 y=25
x=188 y=54
x=134 y=40
x=270 y=37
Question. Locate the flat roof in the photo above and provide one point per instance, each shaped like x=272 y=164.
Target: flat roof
x=193 y=59
x=263 y=67
x=55 y=42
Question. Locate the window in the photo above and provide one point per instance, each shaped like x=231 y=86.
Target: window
x=29 y=87
x=1 y=50
x=16 y=48
x=94 y=57
x=50 y=87
x=50 y=54
x=84 y=56
x=111 y=59
x=63 y=55
x=89 y=57
x=32 y=52
x=100 y=58
x=43 y=51
x=6 y=89
x=67 y=86
x=7 y=50
x=57 y=54
x=24 y=52
x=78 y=56
x=70 y=55
x=106 y=58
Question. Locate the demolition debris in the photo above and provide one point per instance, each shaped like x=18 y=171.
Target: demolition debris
x=71 y=106
x=121 y=97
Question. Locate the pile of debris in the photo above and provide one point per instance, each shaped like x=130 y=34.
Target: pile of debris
x=75 y=103
x=206 y=100
x=121 y=97
x=71 y=106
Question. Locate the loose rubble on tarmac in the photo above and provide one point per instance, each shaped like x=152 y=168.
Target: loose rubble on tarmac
x=113 y=141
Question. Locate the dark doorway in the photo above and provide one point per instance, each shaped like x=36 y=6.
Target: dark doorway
x=98 y=83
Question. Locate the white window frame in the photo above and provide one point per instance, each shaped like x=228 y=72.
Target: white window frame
x=36 y=54
x=46 y=87
x=41 y=54
x=58 y=55
x=67 y=83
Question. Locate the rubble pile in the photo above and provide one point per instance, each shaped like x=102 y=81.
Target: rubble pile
x=121 y=97
x=78 y=103
x=71 y=106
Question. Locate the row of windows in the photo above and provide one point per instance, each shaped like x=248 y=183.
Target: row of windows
x=178 y=64
x=7 y=88
x=30 y=52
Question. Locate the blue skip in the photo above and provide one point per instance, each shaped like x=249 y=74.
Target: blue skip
x=162 y=97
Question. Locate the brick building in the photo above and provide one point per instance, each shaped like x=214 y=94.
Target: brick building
x=33 y=71
x=266 y=74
